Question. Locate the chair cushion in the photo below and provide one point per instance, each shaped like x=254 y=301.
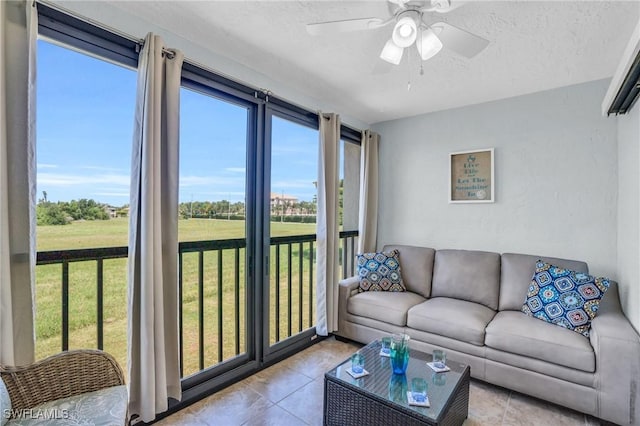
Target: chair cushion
x=457 y=319
x=5 y=403
x=510 y=331
x=564 y=297
x=105 y=407
x=417 y=267
x=384 y=306
x=467 y=275
x=380 y=271
x=517 y=270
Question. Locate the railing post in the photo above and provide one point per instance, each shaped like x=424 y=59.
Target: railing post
x=180 y=267
x=201 y=309
x=65 y=306
x=277 y=283
x=300 y=291
x=237 y=298
x=289 y=287
x=311 y=301
x=220 y=346
x=352 y=270
x=100 y=296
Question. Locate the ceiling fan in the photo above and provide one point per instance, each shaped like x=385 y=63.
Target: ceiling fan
x=411 y=28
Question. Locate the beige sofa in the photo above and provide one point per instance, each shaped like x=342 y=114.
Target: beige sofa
x=468 y=302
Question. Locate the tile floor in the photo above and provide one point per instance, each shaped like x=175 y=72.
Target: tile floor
x=291 y=393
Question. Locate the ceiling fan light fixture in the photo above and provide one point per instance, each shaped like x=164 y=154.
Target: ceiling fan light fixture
x=405 y=32
x=392 y=53
x=428 y=44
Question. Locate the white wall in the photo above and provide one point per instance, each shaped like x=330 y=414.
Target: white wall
x=629 y=213
x=555 y=170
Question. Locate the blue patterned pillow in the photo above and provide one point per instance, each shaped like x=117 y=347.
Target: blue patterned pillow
x=380 y=271
x=563 y=297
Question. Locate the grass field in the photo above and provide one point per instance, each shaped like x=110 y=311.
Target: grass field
x=216 y=295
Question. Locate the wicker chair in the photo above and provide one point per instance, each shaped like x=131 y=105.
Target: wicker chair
x=60 y=376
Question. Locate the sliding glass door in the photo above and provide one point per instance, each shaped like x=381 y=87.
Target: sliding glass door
x=289 y=299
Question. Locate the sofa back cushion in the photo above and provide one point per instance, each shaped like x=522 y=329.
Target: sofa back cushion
x=517 y=272
x=467 y=275
x=416 y=265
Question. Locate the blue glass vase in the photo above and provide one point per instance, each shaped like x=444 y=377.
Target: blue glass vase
x=399 y=353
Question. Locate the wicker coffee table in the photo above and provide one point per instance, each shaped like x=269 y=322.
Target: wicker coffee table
x=380 y=397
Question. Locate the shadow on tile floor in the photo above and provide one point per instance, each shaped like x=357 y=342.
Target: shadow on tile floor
x=291 y=393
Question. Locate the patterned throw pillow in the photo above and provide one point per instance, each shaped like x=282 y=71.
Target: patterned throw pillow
x=563 y=297
x=380 y=271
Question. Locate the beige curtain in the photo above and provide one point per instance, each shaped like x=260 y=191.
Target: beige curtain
x=327 y=225
x=18 y=34
x=154 y=363
x=368 y=210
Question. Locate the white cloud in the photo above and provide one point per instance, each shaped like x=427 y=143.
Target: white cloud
x=299 y=183
x=236 y=169
x=103 y=169
x=47 y=166
x=61 y=179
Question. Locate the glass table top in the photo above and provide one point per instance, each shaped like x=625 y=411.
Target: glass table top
x=383 y=384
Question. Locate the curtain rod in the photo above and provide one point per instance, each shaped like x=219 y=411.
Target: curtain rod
x=169 y=52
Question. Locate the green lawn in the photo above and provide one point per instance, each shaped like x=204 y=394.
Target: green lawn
x=83 y=293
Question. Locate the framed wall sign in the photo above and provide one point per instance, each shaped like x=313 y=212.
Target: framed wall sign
x=471 y=176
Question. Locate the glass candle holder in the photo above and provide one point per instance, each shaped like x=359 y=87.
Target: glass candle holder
x=357 y=363
x=439 y=358
x=419 y=389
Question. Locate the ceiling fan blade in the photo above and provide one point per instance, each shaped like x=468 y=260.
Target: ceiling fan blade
x=459 y=40
x=331 y=27
x=447 y=6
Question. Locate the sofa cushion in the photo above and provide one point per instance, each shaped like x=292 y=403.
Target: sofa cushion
x=104 y=407
x=384 y=306
x=380 y=271
x=467 y=275
x=564 y=297
x=417 y=267
x=517 y=270
x=519 y=334
x=454 y=318
x=5 y=403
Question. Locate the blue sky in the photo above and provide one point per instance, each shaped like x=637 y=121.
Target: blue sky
x=84 y=132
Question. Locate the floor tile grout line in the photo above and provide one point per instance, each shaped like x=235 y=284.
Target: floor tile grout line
x=293 y=414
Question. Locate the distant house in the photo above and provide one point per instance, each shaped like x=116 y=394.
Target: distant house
x=115 y=212
x=283 y=204
x=111 y=211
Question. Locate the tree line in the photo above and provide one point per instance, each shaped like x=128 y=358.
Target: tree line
x=65 y=212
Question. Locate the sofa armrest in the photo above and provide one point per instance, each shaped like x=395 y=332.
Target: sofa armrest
x=617 y=349
x=60 y=376
x=347 y=288
x=349 y=284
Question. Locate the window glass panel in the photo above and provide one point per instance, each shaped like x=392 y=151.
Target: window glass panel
x=85 y=110
x=294 y=176
x=213 y=157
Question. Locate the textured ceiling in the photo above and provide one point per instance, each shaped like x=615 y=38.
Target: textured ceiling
x=533 y=46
